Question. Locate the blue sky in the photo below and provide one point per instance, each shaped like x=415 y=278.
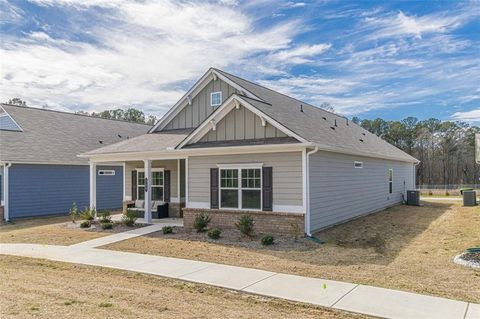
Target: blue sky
x=389 y=59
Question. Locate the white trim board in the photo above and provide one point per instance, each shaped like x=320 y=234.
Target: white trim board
x=223 y=110
x=210 y=75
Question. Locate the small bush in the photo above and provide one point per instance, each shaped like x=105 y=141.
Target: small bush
x=167 y=229
x=107 y=225
x=129 y=218
x=105 y=217
x=74 y=212
x=295 y=230
x=245 y=225
x=447 y=194
x=430 y=193
x=85 y=224
x=201 y=222
x=267 y=240
x=105 y=305
x=214 y=233
x=88 y=214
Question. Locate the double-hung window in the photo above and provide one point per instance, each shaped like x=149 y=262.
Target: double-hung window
x=390 y=181
x=157 y=184
x=241 y=188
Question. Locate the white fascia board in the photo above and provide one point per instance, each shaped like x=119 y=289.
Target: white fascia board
x=240 y=165
x=223 y=110
x=196 y=88
x=184 y=153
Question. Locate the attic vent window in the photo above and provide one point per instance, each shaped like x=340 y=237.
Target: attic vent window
x=216 y=98
x=358 y=164
x=109 y=172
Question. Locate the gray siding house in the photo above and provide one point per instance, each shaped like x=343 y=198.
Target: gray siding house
x=231 y=147
x=40 y=171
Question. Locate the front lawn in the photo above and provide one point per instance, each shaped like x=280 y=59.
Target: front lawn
x=405 y=247
x=47 y=230
x=34 y=288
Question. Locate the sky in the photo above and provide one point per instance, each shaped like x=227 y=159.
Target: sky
x=388 y=59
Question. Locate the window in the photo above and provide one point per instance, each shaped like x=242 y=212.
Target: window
x=216 y=98
x=157 y=184
x=358 y=164
x=109 y=172
x=241 y=188
x=390 y=181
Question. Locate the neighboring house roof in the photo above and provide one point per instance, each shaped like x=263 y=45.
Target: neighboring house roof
x=152 y=142
x=329 y=131
x=58 y=137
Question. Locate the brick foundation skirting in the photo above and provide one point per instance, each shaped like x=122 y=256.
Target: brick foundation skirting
x=265 y=222
x=2 y=214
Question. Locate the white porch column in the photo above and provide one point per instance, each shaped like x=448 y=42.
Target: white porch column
x=6 y=211
x=148 y=191
x=93 y=186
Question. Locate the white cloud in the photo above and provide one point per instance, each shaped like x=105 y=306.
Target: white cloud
x=145 y=59
x=402 y=24
x=468 y=116
x=301 y=54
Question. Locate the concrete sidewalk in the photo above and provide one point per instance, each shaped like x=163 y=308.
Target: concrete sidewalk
x=339 y=295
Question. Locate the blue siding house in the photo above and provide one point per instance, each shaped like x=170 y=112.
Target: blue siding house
x=40 y=172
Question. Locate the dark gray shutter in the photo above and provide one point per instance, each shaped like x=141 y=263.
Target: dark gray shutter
x=166 y=186
x=214 y=188
x=134 y=185
x=267 y=189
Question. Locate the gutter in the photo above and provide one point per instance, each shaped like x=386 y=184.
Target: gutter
x=307 y=204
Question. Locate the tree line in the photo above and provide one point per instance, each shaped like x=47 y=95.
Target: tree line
x=445 y=149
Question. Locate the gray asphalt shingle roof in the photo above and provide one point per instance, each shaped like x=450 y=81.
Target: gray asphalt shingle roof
x=158 y=141
x=58 y=137
x=315 y=124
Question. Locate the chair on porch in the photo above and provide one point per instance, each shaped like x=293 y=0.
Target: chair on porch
x=160 y=207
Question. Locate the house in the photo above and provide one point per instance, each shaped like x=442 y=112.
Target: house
x=231 y=147
x=40 y=171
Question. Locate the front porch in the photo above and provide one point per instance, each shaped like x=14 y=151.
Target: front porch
x=154 y=188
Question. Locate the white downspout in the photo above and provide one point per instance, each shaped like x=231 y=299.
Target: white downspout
x=307 y=187
x=6 y=208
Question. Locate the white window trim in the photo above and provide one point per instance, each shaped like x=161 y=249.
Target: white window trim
x=211 y=98
x=390 y=181
x=239 y=167
x=152 y=186
x=358 y=162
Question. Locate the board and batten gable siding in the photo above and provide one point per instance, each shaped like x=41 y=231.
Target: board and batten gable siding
x=36 y=190
x=241 y=124
x=165 y=164
x=194 y=114
x=287 y=176
x=339 y=192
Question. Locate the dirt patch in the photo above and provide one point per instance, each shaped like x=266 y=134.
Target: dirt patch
x=48 y=231
x=405 y=247
x=46 y=289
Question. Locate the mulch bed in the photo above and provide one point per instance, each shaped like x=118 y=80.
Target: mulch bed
x=96 y=227
x=468 y=259
x=235 y=238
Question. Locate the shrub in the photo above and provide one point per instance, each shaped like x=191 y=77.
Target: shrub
x=105 y=305
x=85 y=224
x=201 y=222
x=88 y=214
x=214 y=233
x=245 y=225
x=107 y=225
x=267 y=240
x=74 y=212
x=105 y=217
x=295 y=230
x=129 y=218
x=167 y=229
